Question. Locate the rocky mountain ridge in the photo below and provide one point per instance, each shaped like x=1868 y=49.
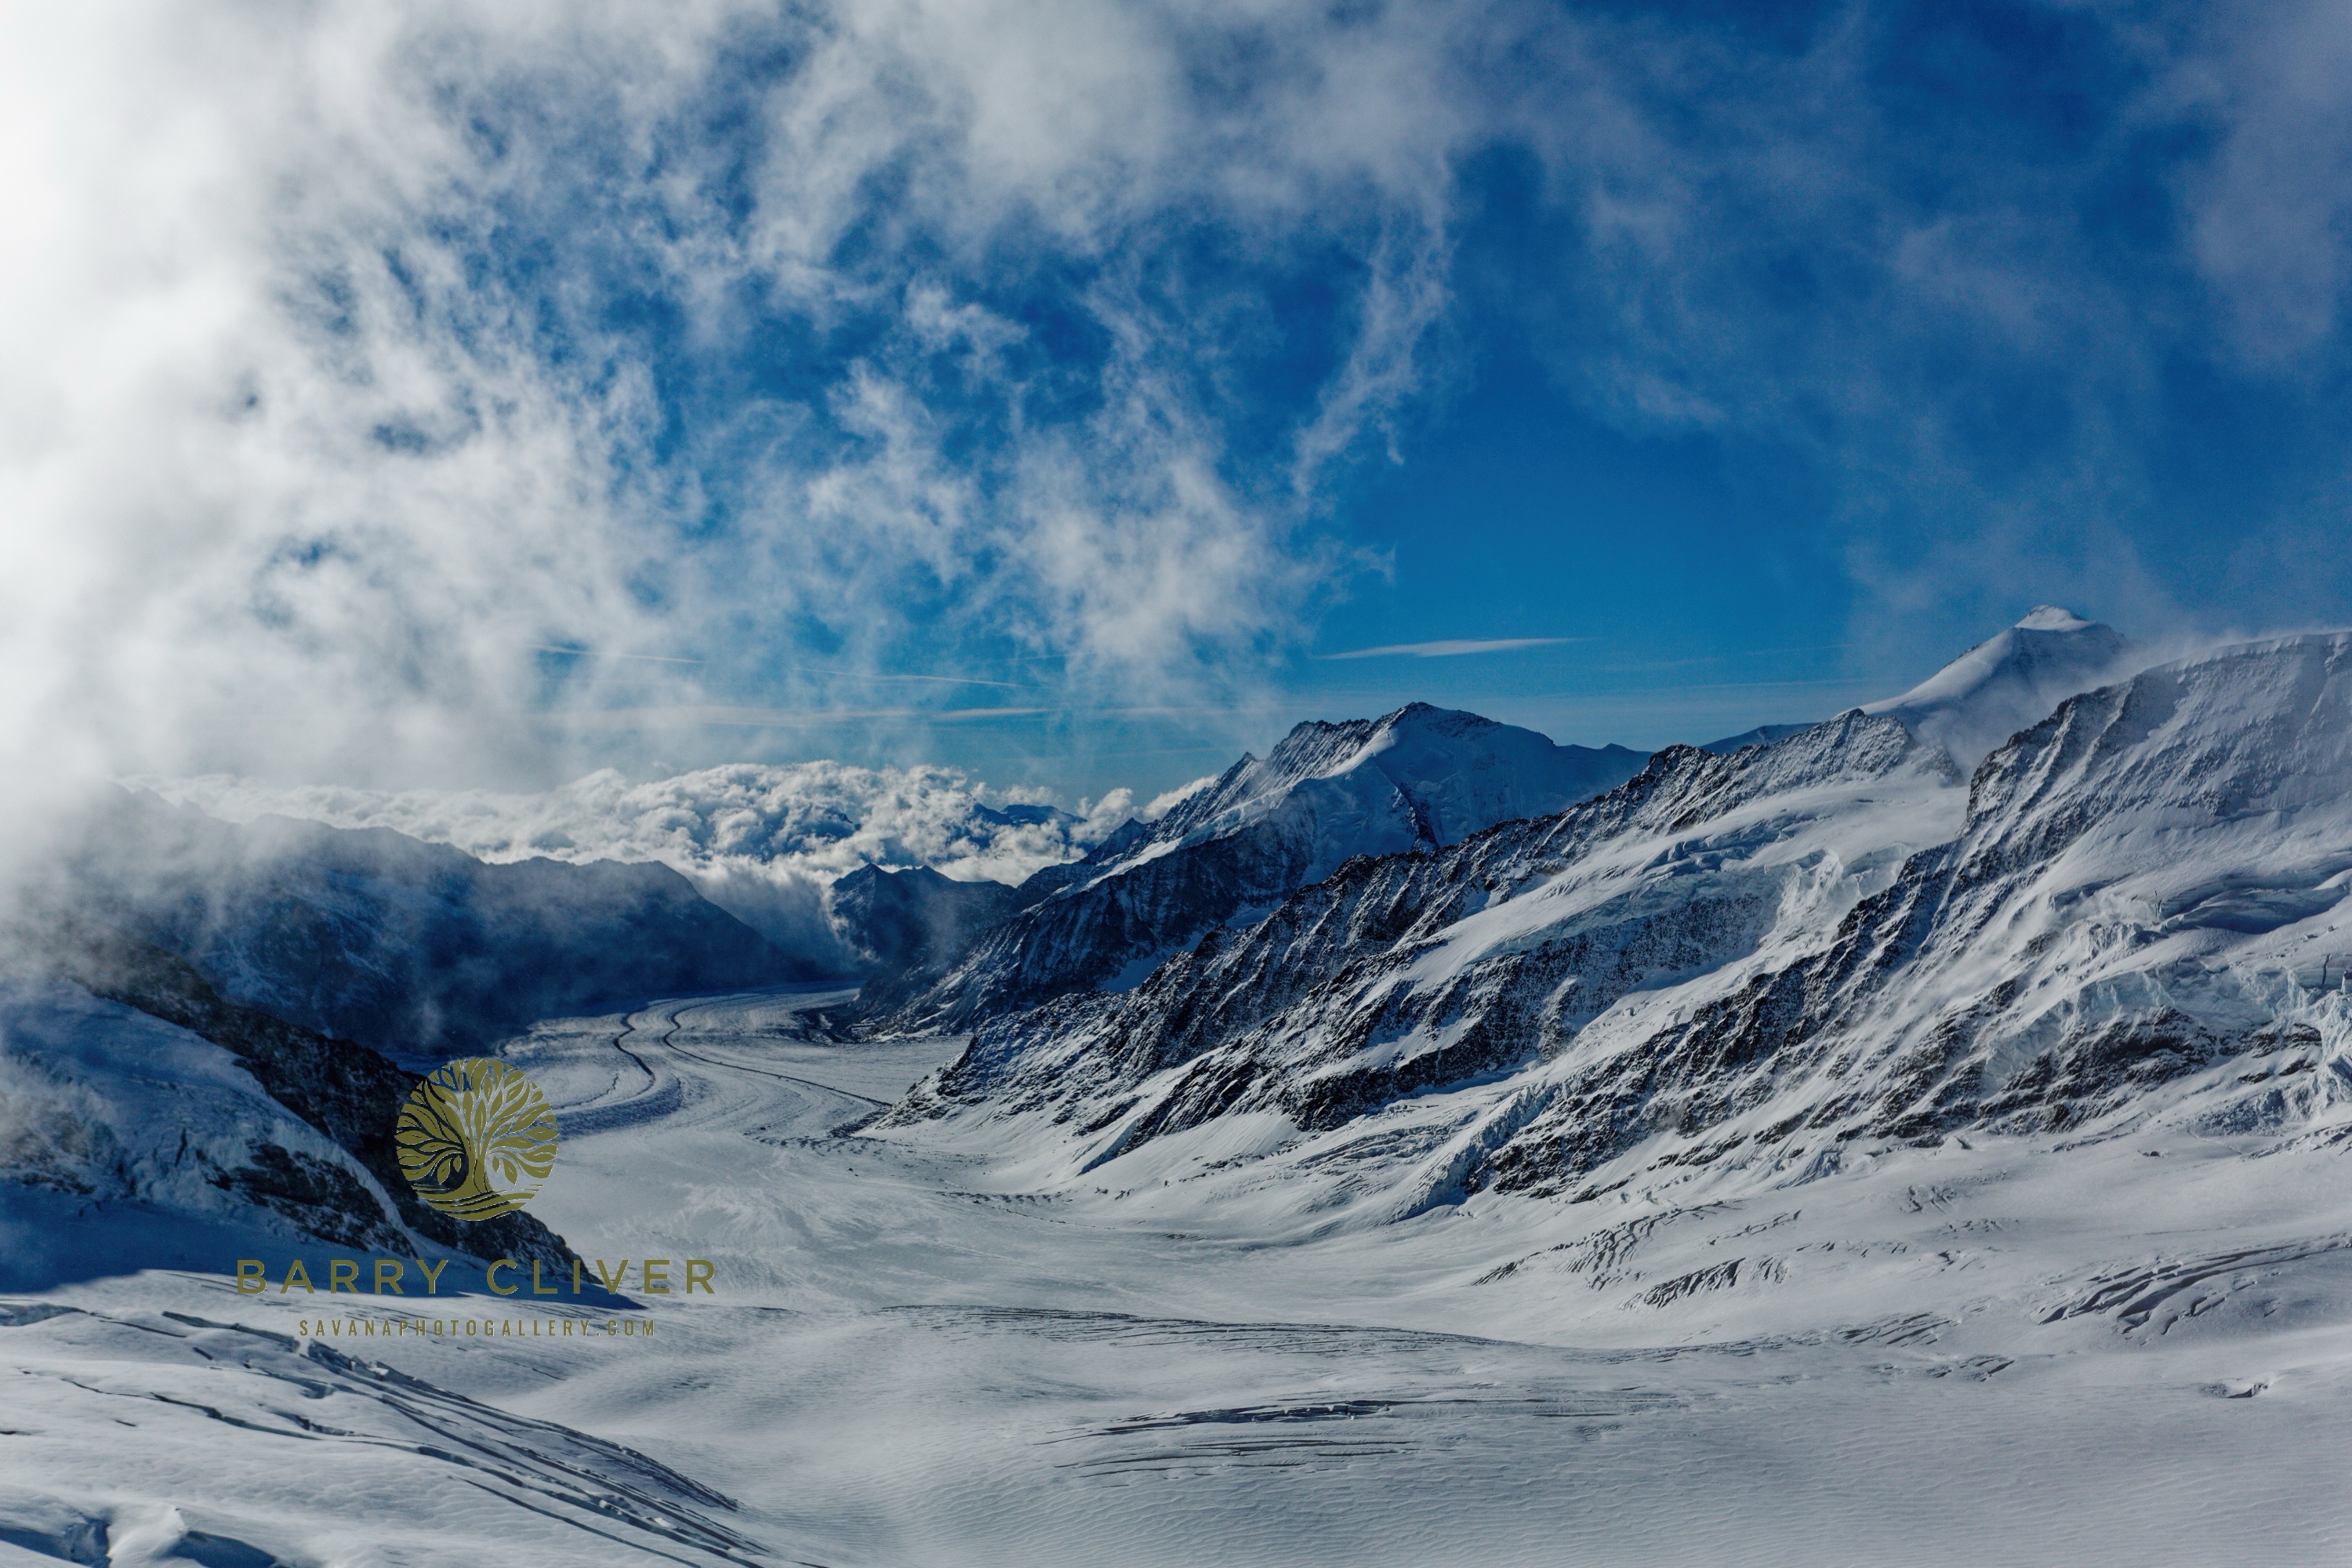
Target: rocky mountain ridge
x=1753 y=962
x=1418 y=778
x=132 y=1080
x=1310 y=1011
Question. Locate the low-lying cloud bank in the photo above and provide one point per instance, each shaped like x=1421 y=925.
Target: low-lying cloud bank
x=763 y=843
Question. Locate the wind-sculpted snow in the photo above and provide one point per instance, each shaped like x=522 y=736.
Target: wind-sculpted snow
x=1752 y=962
x=1421 y=778
x=2009 y=680
x=218 y=1415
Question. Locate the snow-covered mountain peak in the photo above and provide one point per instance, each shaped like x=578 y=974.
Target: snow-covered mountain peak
x=2052 y=619
x=1419 y=779
x=2247 y=749
x=2009 y=680
x=1455 y=773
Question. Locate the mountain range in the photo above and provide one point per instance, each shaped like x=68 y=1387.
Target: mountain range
x=414 y=946
x=1416 y=780
x=407 y=947
x=1828 y=941
x=1491 y=1164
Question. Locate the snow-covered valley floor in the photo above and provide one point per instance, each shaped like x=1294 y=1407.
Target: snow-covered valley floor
x=2137 y=1350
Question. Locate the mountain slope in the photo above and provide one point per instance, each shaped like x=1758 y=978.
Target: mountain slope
x=402 y=946
x=1418 y=779
x=2142 y=886
x=1752 y=963
x=1403 y=972
x=128 y=1079
x=2008 y=681
x=910 y=923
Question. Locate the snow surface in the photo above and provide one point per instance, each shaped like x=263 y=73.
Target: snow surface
x=128 y=1125
x=1917 y=1171
x=2009 y=681
x=2018 y=1348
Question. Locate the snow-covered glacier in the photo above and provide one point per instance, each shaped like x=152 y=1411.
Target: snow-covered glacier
x=1832 y=1150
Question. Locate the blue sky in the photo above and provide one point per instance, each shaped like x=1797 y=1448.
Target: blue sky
x=1054 y=390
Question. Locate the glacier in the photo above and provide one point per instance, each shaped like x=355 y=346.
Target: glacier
x=1834 y=1148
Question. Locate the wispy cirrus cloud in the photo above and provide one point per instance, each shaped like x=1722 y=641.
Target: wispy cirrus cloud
x=1451 y=649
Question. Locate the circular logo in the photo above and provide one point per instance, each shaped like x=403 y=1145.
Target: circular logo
x=476 y=1138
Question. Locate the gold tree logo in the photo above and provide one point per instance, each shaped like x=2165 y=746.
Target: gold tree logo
x=476 y=1138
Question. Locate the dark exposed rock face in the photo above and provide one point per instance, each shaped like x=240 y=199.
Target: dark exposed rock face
x=912 y=923
x=322 y=1198
x=345 y=1091
x=1420 y=779
x=1308 y=1012
x=402 y=946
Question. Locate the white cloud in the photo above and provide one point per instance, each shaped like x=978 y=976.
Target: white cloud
x=1451 y=649
x=304 y=465
x=2271 y=218
x=761 y=842
x=328 y=400
x=1159 y=805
